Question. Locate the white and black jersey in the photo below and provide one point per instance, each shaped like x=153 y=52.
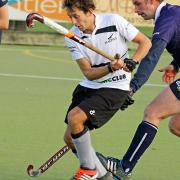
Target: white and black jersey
x=111 y=34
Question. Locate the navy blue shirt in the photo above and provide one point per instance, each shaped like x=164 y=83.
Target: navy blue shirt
x=167 y=27
x=166 y=35
x=3 y=2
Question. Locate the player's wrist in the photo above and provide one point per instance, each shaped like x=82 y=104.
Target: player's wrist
x=110 y=68
x=130 y=64
x=175 y=65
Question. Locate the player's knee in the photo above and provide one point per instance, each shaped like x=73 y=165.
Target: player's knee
x=150 y=113
x=173 y=128
x=74 y=118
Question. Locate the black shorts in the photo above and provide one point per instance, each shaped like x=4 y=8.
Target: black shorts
x=98 y=104
x=175 y=88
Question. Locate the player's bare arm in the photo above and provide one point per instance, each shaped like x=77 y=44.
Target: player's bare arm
x=4 y=17
x=93 y=73
x=144 y=44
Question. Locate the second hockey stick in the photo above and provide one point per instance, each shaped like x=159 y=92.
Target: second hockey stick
x=35 y=173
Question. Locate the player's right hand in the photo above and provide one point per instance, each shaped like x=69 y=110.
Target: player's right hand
x=117 y=63
x=169 y=74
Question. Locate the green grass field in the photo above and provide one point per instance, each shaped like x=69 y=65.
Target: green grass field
x=36 y=86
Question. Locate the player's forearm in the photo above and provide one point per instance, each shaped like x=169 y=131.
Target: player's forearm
x=148 y=64
x=4 y=24
x=144 y=44
x=4 y=17
x=175 y=65
x=142 y=50
x=96 y=72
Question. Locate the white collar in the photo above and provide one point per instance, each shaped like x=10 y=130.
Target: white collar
x=158 y=11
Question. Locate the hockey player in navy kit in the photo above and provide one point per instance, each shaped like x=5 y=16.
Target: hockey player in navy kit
x=166 y=35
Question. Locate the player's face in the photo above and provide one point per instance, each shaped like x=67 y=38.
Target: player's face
x=81 y=19
x=144 y=8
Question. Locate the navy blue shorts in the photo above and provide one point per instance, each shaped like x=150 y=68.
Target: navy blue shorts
x=175 y=87
x=98 y=104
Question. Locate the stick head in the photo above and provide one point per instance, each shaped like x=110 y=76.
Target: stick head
x=33 y=16
x=33 y=173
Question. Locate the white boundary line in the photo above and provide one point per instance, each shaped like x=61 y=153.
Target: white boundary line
x=57 y=78
x=60 y=50
x=38 y=77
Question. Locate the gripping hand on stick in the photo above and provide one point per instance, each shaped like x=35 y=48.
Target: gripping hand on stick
x=130 y=64
x=127 y=65
x=117 y=63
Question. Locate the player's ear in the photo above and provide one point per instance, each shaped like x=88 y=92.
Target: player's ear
x=153 y=1
x=90 y=11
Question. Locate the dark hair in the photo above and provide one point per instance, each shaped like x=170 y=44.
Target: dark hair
x=83 y=5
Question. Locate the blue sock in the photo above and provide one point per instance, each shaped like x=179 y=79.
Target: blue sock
x=143 y=137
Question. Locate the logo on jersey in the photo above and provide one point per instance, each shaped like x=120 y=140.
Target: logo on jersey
x=156 y=33
x=111 y=38
x=92 y=112
x=72 y=48
x=114 y=79
x=178 y=85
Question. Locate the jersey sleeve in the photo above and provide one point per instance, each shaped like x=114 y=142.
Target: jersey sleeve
x=148 y=64
x=2 y=3
x=74 y=50
x=164 y=29
x=125 y=28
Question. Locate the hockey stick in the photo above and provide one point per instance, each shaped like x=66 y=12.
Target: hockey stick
x=48 y=163
x=62 y=30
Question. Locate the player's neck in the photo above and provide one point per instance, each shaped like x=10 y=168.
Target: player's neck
x=91 y=26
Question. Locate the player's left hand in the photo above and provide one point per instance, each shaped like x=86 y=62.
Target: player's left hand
x=130 y=64
x=169 y=74
x=129 y=101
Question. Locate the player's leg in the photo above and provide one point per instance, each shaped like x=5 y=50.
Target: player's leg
x=164 y=105
x=98 y=108
x=68 y=139
x=76 y=117
x=82 y=142
x=174 y=125
x=100 y=168
x=80 y=93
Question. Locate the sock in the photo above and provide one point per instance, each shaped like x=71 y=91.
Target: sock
x=82 y=142
x=143 y=137
x=99 y=167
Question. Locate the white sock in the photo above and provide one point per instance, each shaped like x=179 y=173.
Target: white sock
x=84 y=150
x=99 y=167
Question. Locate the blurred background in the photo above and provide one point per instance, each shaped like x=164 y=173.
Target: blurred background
x=41 y=35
